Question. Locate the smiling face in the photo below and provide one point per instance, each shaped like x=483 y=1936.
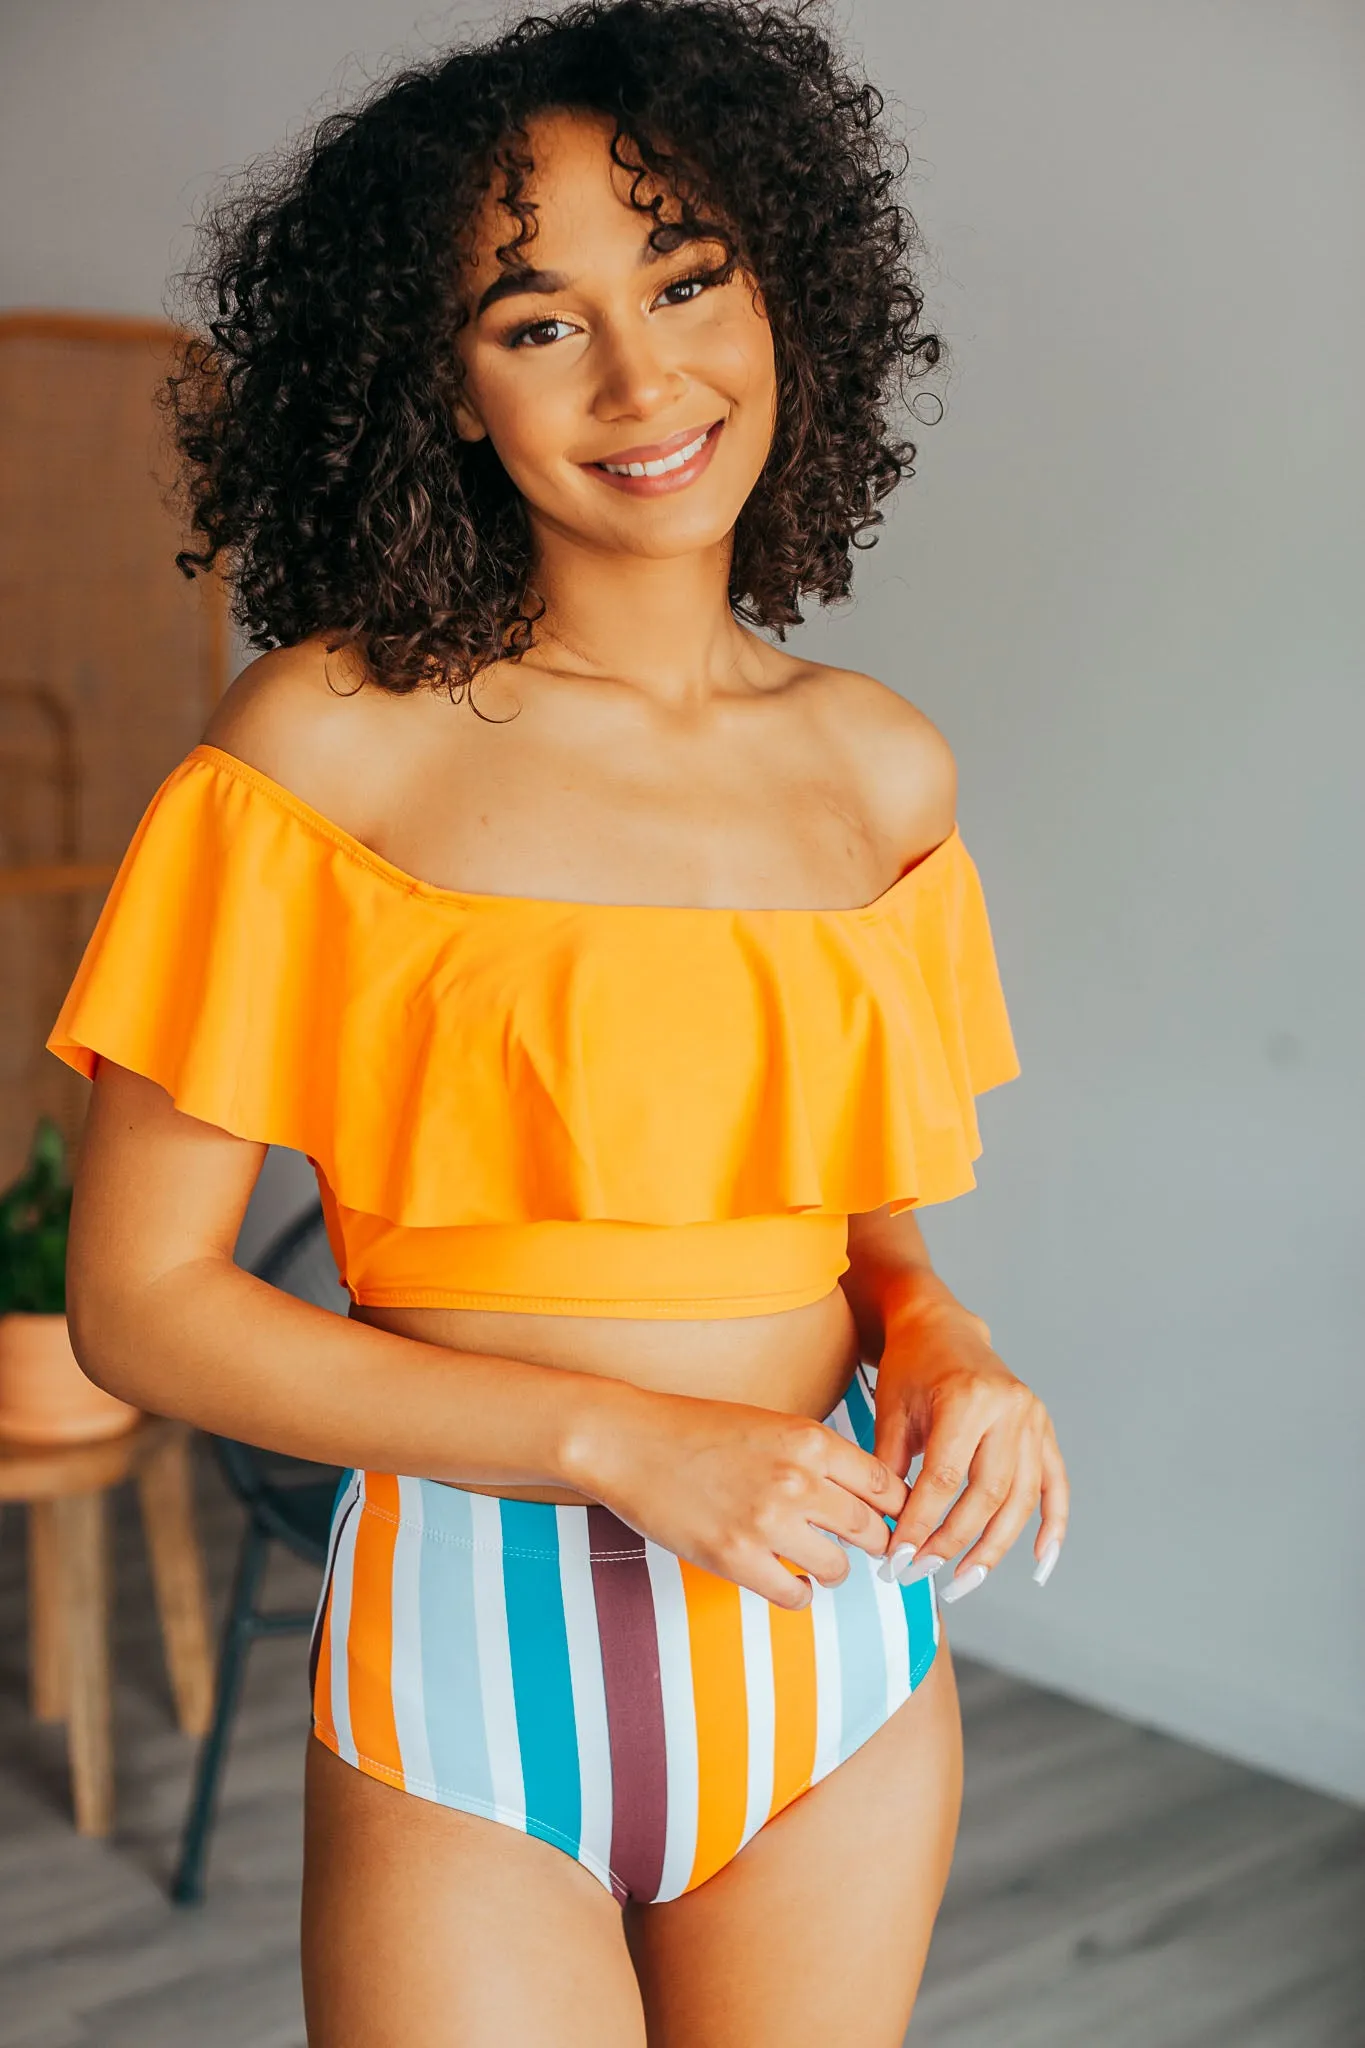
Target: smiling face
x=630 y=401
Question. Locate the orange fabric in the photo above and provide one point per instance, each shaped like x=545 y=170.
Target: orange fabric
x=521 y=1102
x=716 y=1637
x=741 y=1266
x=323 y=1683
x=369 y=1645
x=794 y=1703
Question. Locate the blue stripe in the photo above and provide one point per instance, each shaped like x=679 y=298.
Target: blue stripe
x=449 y=1648
x=347 y=1476
x=541 y=1681
x=918 y=1601
x=859 y=1406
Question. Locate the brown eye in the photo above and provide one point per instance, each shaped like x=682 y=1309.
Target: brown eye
x=542 y=330
x=694 y=286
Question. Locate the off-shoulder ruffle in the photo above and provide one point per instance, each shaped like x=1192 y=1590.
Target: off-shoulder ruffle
x=446 y=1057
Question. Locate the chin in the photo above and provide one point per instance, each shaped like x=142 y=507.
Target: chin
x=674 y=526
x=669 y=540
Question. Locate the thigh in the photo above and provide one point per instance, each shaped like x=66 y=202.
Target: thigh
x=815 y=1936
x=425 y=1927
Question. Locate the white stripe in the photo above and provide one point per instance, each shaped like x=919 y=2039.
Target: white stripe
x=895 y=1641
x=339 y=1516
x=680 y=1718
x=755 y=1621
x=829 y=1693
x=342 y=1578
x=933 y=1606
x=495 y=1660
x=589 y=1687
x=408 y=1685
x=333 y=1537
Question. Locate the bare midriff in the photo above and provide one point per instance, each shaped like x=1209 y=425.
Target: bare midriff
x=796 y=1362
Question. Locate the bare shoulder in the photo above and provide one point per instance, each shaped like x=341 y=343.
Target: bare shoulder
x=901 y=761
x=308 y=719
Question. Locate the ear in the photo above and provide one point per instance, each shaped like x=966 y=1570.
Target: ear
x=468 y=425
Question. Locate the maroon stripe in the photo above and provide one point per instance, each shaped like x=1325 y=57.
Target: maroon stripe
x=635 y=1702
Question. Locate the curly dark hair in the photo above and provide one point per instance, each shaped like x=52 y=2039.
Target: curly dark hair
x=312 y=399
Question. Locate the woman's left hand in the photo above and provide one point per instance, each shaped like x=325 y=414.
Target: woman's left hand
x=942 y=1390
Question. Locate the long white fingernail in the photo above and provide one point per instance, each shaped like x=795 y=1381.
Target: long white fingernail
x=911 y=1574
x=964 y=1582
x=892 y=1564
x=1042 y=1571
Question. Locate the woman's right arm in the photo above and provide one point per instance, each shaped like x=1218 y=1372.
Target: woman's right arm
x=161 y=1316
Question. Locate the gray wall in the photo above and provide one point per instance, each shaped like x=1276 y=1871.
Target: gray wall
x=1122 y=584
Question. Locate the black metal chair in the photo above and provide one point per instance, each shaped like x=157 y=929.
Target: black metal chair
x=288 y=1501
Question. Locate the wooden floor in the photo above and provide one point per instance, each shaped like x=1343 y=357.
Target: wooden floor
x=1112 y=1888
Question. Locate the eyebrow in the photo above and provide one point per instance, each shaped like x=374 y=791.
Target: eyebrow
x=522 y=278
x=512 y=283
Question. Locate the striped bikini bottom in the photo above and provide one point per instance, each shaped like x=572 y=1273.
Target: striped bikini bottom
x=550 y=1668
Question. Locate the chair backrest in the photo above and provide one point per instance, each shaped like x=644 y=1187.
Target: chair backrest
x=111 y=661
x=299 y=1261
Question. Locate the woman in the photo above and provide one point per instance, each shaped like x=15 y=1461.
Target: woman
x=627 y=982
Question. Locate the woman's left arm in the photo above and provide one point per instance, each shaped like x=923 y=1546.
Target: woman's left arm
x=942 y=1390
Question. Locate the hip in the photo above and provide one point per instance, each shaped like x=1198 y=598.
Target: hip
x=549 y=1667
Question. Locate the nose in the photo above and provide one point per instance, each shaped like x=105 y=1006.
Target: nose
x=636 y=378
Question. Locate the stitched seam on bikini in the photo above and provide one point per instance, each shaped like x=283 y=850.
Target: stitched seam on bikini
x=457 y=1542
x=447 y=1795
x=469 y=1804
x=469 y=1298
x=917 y=1672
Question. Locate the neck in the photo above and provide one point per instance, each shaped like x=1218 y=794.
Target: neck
x=663 y=626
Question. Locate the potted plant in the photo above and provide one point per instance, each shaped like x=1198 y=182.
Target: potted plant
x=44 y=1395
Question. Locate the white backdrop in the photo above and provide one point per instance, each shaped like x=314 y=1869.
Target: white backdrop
x=1126 y=584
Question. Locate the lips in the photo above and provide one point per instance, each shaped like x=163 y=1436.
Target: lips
x=655 y=451
x=678 y=462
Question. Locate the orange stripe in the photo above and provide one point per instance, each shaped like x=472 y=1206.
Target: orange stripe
x=369 y=1641
x=717 y=1645
x=793 y=1636
x=323 y=1721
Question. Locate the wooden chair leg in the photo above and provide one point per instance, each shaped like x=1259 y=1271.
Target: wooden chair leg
x=46 y=1623
x=82 y=1543
x=165 y=1489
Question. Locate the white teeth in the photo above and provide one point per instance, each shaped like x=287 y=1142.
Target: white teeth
x=662 y=466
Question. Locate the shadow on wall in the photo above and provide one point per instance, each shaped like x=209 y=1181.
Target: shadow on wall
x=287 y=1186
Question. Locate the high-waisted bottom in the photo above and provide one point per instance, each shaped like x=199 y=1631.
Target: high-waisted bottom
x=551 y=1669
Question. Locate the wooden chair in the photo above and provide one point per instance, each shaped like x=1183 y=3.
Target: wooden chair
x=66 y=1489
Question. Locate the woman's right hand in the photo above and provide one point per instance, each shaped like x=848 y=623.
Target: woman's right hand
x=736 y=1489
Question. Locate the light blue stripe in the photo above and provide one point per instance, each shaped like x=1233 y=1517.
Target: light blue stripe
x=449 y=1649
x=862 y=1657
x=541 y=1680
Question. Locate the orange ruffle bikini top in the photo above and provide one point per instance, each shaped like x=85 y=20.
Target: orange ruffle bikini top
x=517 y=1102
